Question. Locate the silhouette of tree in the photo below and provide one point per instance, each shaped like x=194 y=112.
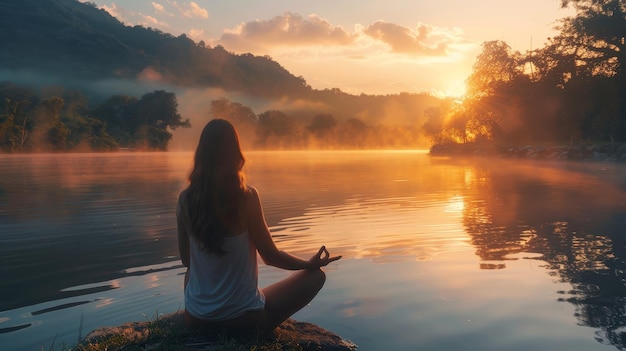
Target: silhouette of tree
x=144 y=122
x=321 y=125
x=15 y=124
x=276 y=129
x=113 y=111
x=591 y=46
x=497 y=64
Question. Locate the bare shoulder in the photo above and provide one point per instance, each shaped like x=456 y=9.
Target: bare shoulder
x=183 y=194
x=251 y=192
x=252 y=198
x=182 y=198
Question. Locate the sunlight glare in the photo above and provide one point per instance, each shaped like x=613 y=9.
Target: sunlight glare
x=456 y=89
x=456 y=204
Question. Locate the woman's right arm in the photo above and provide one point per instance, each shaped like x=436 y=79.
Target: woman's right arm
x=271 y=255
x=183 y=237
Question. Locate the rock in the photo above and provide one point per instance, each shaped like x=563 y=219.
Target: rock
x=311 y=336
x=291 y=334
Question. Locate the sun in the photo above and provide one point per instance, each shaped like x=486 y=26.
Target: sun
x=456 y=89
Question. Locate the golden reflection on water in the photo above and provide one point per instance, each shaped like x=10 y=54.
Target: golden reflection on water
x=378 y=205
x=382 y=229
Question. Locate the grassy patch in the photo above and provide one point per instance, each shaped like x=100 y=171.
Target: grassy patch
x=169 y=333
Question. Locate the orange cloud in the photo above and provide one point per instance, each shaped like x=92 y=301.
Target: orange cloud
x=199 y=11
x=114 y=11
x=423 y=40
x=131 y=18
x=288 y=29
x=296 y=35
x=196 y=34
x=158 y=7
x=150 y=21
x=195 y=11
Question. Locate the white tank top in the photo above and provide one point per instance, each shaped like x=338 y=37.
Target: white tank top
x=223 y=287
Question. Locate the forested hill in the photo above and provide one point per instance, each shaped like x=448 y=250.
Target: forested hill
x=67 y=37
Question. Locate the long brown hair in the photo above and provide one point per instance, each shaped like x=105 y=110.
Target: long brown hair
x=216 y=185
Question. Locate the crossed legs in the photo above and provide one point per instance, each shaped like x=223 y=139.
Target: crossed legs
x=288 y=296
x=282 y=299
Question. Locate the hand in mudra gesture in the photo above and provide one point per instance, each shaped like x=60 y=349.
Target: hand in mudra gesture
x=322 y=258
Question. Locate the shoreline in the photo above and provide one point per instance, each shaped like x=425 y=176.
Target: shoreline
x=597 y=152
x=169 y=332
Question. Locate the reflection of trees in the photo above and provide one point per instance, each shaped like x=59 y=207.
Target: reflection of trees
x=494 y=242
x=578 y=229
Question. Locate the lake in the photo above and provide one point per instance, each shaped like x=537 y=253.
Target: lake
x=438 y=253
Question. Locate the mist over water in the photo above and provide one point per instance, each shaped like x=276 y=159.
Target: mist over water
x=438 y=253
x=352 y=122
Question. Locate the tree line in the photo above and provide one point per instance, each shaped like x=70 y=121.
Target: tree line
x=54 y=119
x=571 y=90
x=276 y=129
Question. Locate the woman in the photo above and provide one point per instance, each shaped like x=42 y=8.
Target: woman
x=221 y=227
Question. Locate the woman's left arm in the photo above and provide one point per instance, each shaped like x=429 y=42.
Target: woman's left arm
x=271 y=255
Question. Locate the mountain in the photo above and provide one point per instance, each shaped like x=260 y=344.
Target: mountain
x=78 y=40
x=72 y=44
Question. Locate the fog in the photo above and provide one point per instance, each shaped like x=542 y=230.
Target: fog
x=355 y=122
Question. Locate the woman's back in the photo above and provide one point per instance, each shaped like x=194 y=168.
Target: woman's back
x=223 y=287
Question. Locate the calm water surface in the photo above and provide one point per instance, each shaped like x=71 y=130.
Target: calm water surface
x=439 y=254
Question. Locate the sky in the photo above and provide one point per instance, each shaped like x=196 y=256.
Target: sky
x=358 y=46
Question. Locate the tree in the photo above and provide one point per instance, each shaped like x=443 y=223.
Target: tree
x=457 y=126
x=87 y=133
x=158 y=109
x=13 y=126
x=241 y=116
x=235 y=112
x=144 y=122
x=276 y=129
x=494 y=100
x=114 y=112
x=322 y=124
x=48 y=122
x=497 y=64
x=151 y=116
x=596 y=36
x=152 y=138
x=353 y=133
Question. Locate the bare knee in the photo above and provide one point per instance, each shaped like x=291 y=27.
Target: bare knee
x=317 y=278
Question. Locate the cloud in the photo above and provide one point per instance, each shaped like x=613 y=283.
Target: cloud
x=114 y=11
x=287 y=29
x=133 y=18
x=196 y=34
x=192 y=10
x=423 y=40
x=150 y=21
x=199 y=11
x=294 y=35
x=158 y=7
